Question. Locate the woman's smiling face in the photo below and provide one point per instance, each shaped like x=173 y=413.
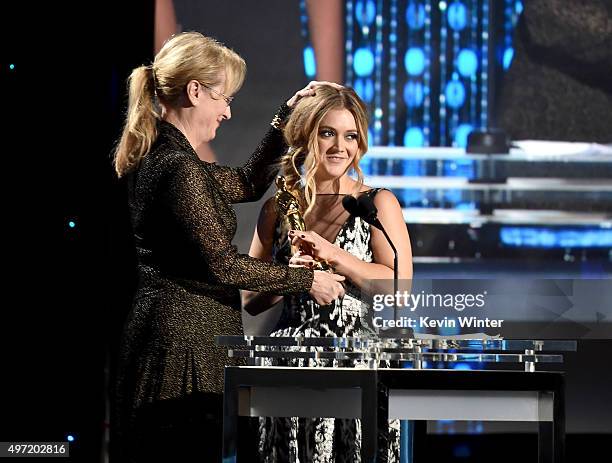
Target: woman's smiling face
x=338 y=144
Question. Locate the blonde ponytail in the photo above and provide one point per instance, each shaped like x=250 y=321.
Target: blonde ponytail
x=140 y=130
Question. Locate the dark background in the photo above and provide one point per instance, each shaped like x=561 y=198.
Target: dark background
x=67 y=290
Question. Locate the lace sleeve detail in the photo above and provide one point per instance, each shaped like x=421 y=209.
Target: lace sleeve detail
x=195 y=206
x=250 y=182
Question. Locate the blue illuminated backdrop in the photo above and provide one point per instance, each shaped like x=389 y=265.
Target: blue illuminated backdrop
x=428 y=70
x=423 y=66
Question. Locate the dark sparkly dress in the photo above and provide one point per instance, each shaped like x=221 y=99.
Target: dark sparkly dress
x=170 y=372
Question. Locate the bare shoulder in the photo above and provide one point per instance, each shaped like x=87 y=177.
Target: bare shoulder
x=385 y=198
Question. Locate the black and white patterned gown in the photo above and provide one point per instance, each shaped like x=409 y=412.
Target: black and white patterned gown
x=322 y=440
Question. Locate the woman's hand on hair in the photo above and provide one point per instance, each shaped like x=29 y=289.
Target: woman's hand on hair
x=311 y=243
x=309 y=90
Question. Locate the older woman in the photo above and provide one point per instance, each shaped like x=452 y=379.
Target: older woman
x=327 y=135
x=170 y=372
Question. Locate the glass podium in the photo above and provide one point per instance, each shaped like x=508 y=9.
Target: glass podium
x=371 y=351
x=375 y=391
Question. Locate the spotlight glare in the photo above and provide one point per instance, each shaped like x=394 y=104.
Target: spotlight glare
x=363 y=62
x=310 y=63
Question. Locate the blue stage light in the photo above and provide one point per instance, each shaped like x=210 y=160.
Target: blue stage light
x=310 y=63
x=461 y=134
x=465 y=206
x=455 y=94
x=413 y=168
x=508 y=56
x=411 y=198
x=543 y=237
x=413 y=94
x=415 y=15
x=457 y=16
x=70 y=438
x=365 y=89
x=414 y=61
x=365 y=12
x=414 y=137
x=449 y=330
x=363 y=62
x=585 y=238
x=11 y=66
x=461 y=366
x=467 y=62
x=370 y=136
x=71 y=224
x=518 y=7
x=459 y=168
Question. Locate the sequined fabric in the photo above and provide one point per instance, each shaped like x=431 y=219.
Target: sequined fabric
x=189 y=276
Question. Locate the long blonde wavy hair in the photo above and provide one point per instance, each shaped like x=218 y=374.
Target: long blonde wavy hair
x=301 y=162
x=185 y=57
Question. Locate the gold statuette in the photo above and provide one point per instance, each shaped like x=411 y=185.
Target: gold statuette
x=287 y=206
x=288 y=209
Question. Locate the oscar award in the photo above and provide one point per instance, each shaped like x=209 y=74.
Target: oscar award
x=289 y=210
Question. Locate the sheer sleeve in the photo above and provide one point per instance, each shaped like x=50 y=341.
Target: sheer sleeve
x=251 y=181
x=198 y=210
